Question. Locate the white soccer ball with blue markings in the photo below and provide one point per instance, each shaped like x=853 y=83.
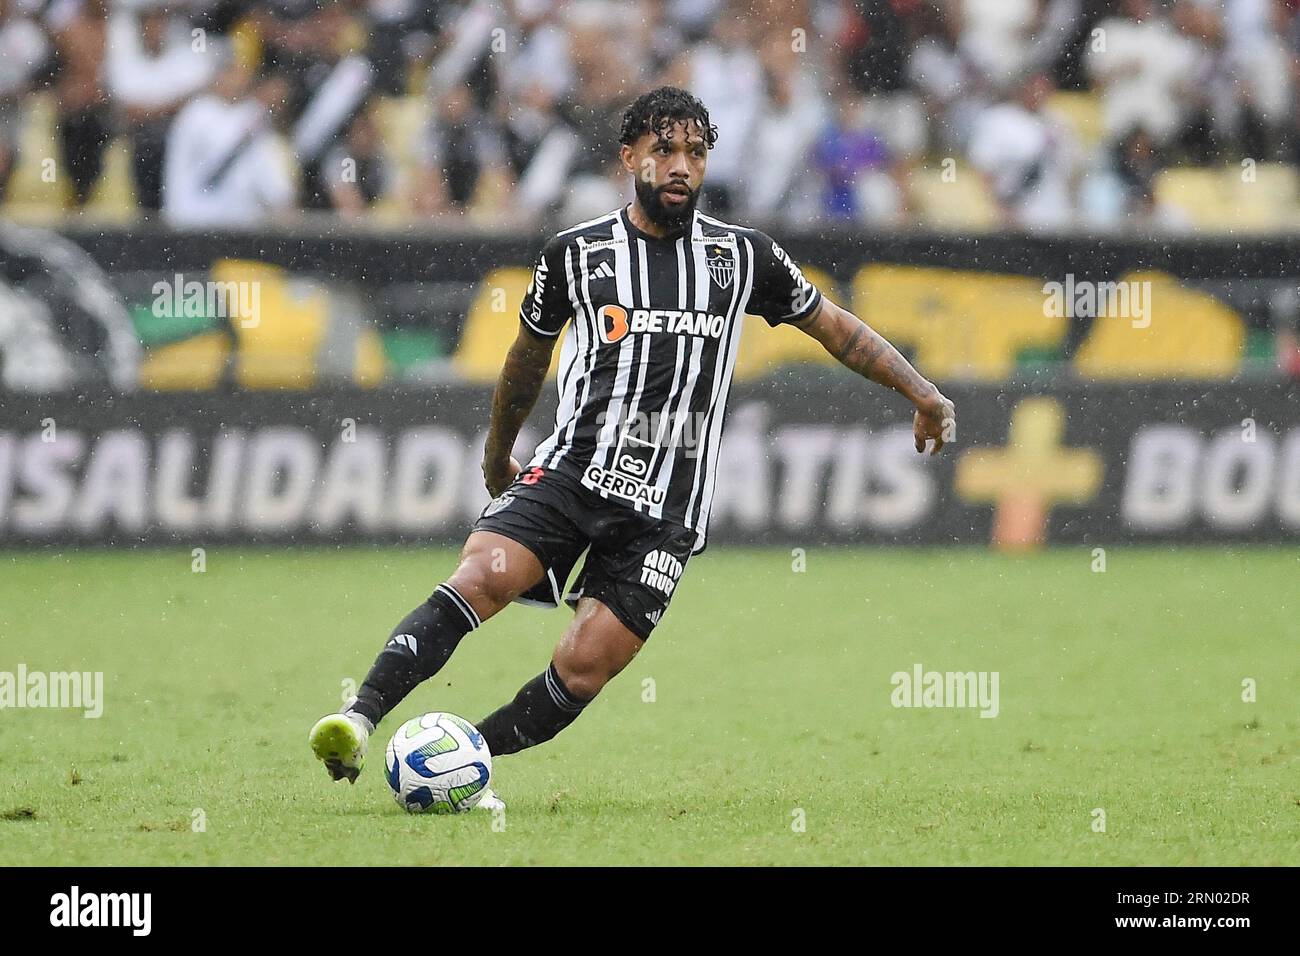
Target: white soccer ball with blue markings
x=438 y=763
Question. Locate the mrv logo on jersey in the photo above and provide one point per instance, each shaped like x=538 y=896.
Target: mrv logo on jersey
x=615 y=322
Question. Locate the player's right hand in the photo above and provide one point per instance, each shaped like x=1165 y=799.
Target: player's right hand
x=499 y=472
x=935 y=420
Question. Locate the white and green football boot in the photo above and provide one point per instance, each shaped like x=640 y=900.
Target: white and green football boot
x=339 y=741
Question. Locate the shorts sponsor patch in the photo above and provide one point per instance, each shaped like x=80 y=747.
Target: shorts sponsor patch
x=661 y=570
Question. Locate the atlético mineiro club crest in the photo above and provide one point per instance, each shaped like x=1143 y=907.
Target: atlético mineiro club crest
x=721 y=266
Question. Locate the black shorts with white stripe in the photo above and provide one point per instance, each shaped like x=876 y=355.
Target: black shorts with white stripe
x=633 y=564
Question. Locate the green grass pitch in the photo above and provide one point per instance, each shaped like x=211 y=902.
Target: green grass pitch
x=1119 y=691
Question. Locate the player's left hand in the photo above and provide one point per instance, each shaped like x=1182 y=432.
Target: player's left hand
x=935 y=418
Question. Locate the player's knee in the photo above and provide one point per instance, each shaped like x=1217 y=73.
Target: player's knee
x=584 y=671
x=487 y=591
x=584 y=683
x=496 y=570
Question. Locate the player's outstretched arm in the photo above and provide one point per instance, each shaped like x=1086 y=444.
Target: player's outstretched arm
x=516 y=393
x=857 y=346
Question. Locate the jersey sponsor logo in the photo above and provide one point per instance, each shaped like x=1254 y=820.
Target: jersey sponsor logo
x=532 y=476
x=623 y=486
x=634 y=456
x=630 y=464
x=722 y=267
x=795 y=273
x=728 y=240
x=677 y=322
x=660 y=570
x=537 y=289
x=612 y=322
x=803 y=289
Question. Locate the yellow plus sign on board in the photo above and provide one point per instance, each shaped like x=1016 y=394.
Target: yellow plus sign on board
x=1030 y=475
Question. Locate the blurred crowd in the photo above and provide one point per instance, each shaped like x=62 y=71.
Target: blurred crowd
x=237 y=113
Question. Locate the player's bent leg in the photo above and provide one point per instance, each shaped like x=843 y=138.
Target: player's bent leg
x=594 y=649
x=493 y=570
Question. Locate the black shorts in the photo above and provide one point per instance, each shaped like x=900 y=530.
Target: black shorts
x=633 y=561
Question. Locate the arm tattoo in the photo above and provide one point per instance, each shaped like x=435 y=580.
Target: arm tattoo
x=850 y=344
x=517 y=389
x=867 y=353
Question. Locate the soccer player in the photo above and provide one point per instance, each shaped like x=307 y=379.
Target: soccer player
x=650 y=299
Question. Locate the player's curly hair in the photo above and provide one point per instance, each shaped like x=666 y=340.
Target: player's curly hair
x=658 y=110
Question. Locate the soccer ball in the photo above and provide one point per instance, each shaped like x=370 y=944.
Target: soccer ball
x=438 y=763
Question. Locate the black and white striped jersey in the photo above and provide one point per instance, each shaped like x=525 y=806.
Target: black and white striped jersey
x=646 y=362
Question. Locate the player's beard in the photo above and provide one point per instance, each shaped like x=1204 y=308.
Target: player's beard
x=661 y=215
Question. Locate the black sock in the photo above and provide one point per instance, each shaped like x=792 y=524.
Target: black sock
x=417 y=649
x=542 y=708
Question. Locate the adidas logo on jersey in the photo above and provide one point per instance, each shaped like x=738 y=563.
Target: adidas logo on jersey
x=653 y=616
x=603 y=271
